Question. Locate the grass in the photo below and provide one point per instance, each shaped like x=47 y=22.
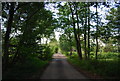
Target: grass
x=105 y=68
x=26 y=70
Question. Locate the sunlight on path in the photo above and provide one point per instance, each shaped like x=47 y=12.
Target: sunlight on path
x=58 y=55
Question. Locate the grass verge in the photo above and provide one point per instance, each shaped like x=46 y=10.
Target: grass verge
x=107 y=69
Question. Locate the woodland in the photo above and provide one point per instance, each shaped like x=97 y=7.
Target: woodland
x=89 y=39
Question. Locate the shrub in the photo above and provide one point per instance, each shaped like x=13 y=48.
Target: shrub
x=26 y=69
x=108 y=55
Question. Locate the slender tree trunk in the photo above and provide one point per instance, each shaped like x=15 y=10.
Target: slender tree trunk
x=79 y=42
x=96 y=31
x=88 y=31
x=7 y=34
x=75 y=33
x=46 y=40
x=70 y=45
x=85 y=29
x=96 y=47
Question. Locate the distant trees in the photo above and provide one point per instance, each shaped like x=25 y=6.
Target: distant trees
x=78 y=17
x=68 y=21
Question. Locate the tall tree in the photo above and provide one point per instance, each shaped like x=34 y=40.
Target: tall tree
x=96 y=30
x=24 y=29
x=75 y=32
x=88 y=11
x=114 y=25
x=85 y=33
x=7 y=34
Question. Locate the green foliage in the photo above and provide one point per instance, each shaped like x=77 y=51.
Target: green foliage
x=54 y=45
x=105 y=55
x=74 y=55
x=108 y=55
x=26 y=51
x=25 y=70
x=45 y=52
x=66 y=43
x=28 y=28
x=56 y=50
x=105 y=68
x=48 y=53
x=32 y=22
x=109 y=48
x=92 y=55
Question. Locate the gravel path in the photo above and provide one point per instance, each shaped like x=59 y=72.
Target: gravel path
x=59 y=68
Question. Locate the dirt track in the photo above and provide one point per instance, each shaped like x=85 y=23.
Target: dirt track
x=59 y=68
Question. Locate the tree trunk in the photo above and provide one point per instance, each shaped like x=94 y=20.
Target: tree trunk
x=75 y=33
x=96 y=47
x=96 y=31
x=79 y=42
x=7 y=34
x=85 y=29
x=70 y=44
x=88 y=31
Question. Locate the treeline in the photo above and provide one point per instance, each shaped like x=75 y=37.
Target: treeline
x=76 y=19
x=25 y=24
x=91 y=39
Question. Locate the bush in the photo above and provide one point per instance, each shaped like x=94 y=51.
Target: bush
x=46 y=53
x=26 y=69
x=108 y=55
x=74 y=55
x=92 y=55
x=56 y=50
x=109 y=48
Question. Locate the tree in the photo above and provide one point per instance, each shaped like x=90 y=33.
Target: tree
x=113 y=25
x=88 y=9
x=7 y=34
x=77 y=35
x=65 y=24
x=96 y=31
x=25 y=29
